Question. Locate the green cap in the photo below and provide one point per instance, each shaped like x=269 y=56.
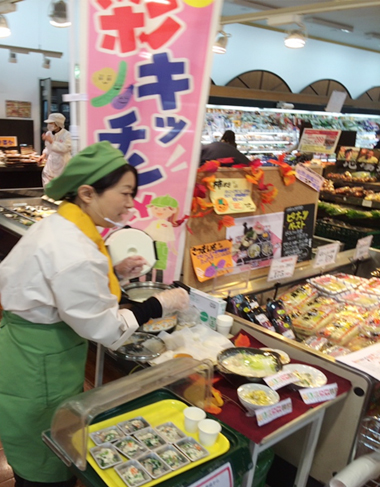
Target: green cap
x=164 y=201
x=88 y=166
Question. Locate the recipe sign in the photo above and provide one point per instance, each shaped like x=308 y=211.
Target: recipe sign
x=297 y=232
x=212 y=259
x=146 y=71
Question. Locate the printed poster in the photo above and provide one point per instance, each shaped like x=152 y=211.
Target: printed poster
x=319 y=141
x=256 y=240
x=232 y=195
x=212 y=259
x=147 y=74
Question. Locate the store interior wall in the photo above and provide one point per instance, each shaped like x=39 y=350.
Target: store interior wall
x=358 y=70
x=19 y=81
x=250 y=48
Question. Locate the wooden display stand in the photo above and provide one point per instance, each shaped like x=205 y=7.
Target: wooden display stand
x=205 y=229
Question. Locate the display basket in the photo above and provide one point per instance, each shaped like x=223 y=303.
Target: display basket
x=347 y=234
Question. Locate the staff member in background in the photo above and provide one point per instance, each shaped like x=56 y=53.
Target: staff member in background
x=223 y=149
x=57 y=150
x=58 y=290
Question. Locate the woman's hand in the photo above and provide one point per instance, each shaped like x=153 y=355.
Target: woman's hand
x=130 y=267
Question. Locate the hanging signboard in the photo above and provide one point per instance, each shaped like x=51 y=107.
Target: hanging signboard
x=147 y=68
x=298 y=230
x=319 y=141
x=232 y=195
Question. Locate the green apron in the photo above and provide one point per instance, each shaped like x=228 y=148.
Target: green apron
x=40 y=366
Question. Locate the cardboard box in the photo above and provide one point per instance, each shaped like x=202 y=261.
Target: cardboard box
x=209 y=306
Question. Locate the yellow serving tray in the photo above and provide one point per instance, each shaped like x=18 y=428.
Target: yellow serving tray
x=168 y=410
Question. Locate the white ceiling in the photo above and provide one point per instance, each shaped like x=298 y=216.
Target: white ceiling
x=362 y=15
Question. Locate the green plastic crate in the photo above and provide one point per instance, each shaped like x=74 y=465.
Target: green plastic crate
x=347 y=234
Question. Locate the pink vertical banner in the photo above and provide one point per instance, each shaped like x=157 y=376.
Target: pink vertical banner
x=147 y=77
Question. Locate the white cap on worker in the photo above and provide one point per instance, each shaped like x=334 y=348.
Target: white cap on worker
x=56 y=118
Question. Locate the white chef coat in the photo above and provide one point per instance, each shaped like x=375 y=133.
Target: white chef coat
x=56 y=273
x=58 y=154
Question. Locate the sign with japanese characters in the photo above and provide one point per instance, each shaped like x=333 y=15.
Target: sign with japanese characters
x=147 y=82
x=282 y=268
x=212 y=259
x=319 y=141
x=8 y=141
x=298 y=231
x=309 y=177
x=232 y=195
x=326 y=255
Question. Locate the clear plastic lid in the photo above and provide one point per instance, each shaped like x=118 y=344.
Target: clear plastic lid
x=69 y=427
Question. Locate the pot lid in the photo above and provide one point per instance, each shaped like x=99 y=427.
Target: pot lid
x=141 y=347
x=131 y=241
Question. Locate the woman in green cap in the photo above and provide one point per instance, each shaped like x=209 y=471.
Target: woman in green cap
x=58 y=290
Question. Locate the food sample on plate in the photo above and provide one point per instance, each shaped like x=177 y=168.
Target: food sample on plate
x=257 y=395
x=132 y=473
x=132 y=425
x=106 y=455
x=150 y=438
x=170 y=432
x=154 y=465
x=172 y=457
x=249 y=362
x=307 y=376
x=160 y=324
x=130 y=447
x=106 y=435
x=192 y=449
x=299 y=296
x=329 y=284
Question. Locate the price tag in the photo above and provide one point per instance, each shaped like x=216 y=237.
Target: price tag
x=220 y=477
x=266 y=415
x=326 y=255
x=282 y=379
x=309 y=177
x=367 y=203
x=362 y=247
x=319 y=394
x=282 y=268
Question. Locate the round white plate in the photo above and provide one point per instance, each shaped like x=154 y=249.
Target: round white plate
x=284 y=357
x=128 y=242
x=313 y=377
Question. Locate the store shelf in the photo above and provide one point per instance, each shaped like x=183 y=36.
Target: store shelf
x=349 y=200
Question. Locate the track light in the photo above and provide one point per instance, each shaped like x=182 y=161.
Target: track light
x=333 y=25
x=220 y=45
x=46 y=63
x=12 y=57
x=296 y=38
x=58 y=14
x=5 y=31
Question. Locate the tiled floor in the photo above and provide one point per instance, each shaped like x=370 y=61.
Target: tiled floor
x=110 y=373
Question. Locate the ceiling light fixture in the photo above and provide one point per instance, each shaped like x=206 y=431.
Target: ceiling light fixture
x=333 y=25
x=296 y=39
x=5 y=31
x=58 y=14
x=220 y=45
x=46 y=63
x=12 y=57
x=373 y=35
x=28 y=50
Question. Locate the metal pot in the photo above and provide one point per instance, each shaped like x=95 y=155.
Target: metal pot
x=139 y=292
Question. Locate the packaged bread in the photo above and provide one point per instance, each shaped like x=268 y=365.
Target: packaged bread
x=344 y=327
x=298 y=296
x=313 y=320
x=359 y=298
x=371 y=286
x=329 y=284
x=350 y=280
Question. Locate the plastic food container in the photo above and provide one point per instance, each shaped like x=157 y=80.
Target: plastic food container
x=154 y=465
x=150 y=438
x=106 y=435
x=132 y=473
x=172 y=456
x=132 y=425
x=192 y=449
x=299 y=296
x=106 y=455
x=130 y=447
x=170 y=432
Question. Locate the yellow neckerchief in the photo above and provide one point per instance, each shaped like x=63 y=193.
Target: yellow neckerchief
x=77 y=216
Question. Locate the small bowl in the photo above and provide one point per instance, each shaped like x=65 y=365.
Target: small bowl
x=270 y=396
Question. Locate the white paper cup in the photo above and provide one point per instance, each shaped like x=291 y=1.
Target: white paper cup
x=208 y=431
x=192 y=417
x=224 y=324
